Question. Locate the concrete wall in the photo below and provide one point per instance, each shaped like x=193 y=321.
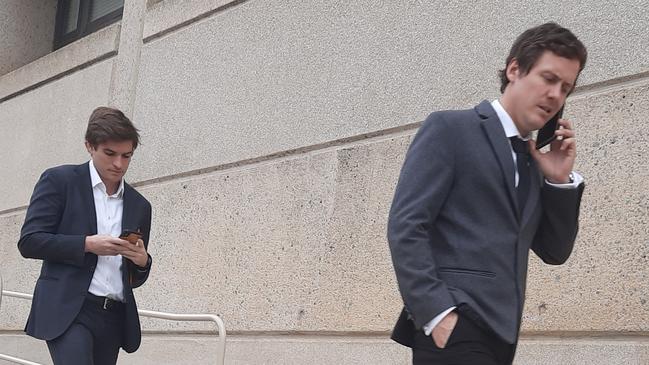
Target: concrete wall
x=27 y=31
x=273 y=136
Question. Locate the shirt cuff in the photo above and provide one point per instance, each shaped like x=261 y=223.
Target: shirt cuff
x=428 y=327
x=576 y=180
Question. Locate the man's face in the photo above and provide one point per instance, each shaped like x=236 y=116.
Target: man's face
x=111 y=160
x=535 y=97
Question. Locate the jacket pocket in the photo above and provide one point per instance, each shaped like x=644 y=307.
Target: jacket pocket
x=483 y=273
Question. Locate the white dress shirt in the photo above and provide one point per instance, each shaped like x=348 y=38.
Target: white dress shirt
x=510 y=131
x=107 y=279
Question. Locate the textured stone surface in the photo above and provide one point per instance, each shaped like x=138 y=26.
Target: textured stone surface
x=326 y=350
x=288 y=350
x=87 y=49
x=604 y=284
x=266 y=76
x=293 y=245
x=298 y=243
x=27 y=30
x=595 y=351
x=165 y=14
x=127 y=63
x=46 y=127
x=18 y=274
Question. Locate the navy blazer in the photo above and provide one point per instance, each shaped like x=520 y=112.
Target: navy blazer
x=455 y=232
x=61 y=214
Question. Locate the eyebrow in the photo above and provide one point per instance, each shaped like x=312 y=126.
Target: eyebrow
x=108 y=150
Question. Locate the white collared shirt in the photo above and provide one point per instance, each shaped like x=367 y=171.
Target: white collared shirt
x=107 y=279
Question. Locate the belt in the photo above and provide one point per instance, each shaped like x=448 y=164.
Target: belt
x=105 y=303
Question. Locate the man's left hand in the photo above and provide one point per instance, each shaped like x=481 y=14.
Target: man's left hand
x=556 y=164
x=135 y=252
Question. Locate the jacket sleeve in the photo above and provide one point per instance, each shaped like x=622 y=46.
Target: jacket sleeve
x=557 y=231
x=39 y=238
x=138 y=274
x=424 y=183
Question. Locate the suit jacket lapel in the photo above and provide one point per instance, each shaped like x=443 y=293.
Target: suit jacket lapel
x=500 y=145
x=85 y=190
x=127 y=223
x=126 y=216
x=129 y=212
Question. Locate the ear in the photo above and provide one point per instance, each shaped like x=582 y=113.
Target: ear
x=89 y=147
x=513 y=70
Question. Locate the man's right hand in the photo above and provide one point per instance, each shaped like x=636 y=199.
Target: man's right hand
x=443 y=330
x=104 y=245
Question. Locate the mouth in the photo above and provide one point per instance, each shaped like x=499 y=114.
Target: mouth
x=545 y=109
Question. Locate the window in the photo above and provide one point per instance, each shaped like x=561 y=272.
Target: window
x=78 y=18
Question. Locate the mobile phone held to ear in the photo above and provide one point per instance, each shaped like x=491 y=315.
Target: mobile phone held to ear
x=546 y=134
x=130 y=235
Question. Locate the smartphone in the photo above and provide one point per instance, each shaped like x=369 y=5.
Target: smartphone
x=131 y=235
x=546 y=134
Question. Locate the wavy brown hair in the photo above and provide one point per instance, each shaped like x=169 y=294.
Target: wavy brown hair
x=109 y=124
x=531 y=44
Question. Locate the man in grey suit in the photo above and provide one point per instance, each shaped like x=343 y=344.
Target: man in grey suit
x=474 y=196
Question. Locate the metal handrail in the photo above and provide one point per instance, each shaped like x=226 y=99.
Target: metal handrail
x=194 y=317
x=18 y=360
x=220 y=327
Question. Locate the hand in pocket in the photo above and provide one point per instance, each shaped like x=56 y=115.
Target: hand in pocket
x=442 y=332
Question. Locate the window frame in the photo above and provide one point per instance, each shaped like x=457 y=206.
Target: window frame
x=84 y=26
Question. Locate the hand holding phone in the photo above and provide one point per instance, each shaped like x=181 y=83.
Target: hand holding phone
x=131 y=235
x=546 y=134
x=557 y=163
x=136 y=253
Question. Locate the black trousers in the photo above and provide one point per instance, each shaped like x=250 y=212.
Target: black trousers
x=94 y=338
x=469 y=344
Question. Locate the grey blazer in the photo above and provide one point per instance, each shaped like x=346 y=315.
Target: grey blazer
x=454 y=230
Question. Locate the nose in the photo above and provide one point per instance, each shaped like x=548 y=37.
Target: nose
x=117 y=162
x=555 y=91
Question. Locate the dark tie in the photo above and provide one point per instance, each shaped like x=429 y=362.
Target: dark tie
x=522 y=165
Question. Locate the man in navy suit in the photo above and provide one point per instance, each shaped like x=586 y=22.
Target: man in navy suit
x=83 y=304
x=473 y=198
